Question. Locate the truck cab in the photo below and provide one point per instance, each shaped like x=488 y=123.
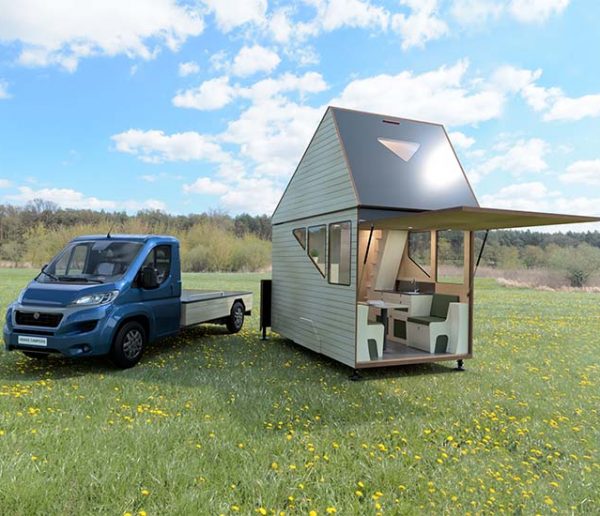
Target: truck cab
x=109 y=295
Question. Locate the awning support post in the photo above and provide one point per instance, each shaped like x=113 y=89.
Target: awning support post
x=487 y=231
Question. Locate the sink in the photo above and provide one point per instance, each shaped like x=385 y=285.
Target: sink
x=411 y=292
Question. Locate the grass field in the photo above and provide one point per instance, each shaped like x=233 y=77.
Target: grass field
x=209 y=423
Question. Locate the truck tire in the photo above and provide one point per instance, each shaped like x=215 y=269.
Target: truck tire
x=235 y=321
x=129 y=344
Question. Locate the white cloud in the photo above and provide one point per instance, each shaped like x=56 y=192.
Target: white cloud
x=536 y=11
x=566 y=108
x=441 y=95
x=217 y=93
x=517 y=158
x=69 y=198
x=256 y=58
x=281 y=26
x=536 y=196
x=188 y=68
x=248 y=195
x=205 y=185
x=253 y=195
x=5 y=183
x=149 y=178
x=64 y=31
x=212 y=94
x=461 y=140
x=476 y=12
x=157 y=147
x=4 y=90
x=586 y=172
x=230 y=14
x=555 y=105
x=335 y=14
x=513 y=80
x=421 y=25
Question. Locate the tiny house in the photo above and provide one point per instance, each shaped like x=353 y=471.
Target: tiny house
x=374 y=249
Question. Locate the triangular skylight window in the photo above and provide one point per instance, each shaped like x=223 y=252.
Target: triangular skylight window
x=400 y=148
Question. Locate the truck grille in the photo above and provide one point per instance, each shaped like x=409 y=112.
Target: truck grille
x=49 y=320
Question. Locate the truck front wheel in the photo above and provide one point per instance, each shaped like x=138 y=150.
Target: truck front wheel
x=235 y=321
x=128 y=345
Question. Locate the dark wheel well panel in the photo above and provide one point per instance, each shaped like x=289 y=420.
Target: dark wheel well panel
x=142 y=319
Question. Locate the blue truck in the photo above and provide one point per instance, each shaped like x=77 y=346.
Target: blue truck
x=112 y=295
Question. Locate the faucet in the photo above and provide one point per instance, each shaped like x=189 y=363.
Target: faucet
x=414 y=285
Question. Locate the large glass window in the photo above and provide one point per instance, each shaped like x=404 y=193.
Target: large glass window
x=300 y=234
x=419 y=250
x=96 y=262
x=317 y=236
x=450 y=256
x=340 y=235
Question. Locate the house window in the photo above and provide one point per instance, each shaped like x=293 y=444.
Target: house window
x=340 y=236
x=419 y=250
x=317 y=236
x=300 y=234
x=450 y=256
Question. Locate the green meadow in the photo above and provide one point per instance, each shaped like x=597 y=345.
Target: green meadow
x=210 y=423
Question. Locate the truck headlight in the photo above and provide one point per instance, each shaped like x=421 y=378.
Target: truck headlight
x=96 y=299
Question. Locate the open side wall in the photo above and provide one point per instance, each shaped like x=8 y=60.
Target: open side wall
x=306 y=308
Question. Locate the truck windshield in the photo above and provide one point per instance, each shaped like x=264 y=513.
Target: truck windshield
x=91 y=262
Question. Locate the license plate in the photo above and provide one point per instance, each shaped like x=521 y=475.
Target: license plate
x=33 y=341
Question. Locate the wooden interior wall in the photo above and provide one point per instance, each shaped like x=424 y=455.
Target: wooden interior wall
x=366 y=271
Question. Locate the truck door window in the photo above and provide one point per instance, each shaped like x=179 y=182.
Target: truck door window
x=160 y=259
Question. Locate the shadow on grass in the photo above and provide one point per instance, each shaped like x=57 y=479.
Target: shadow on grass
x=192 y=340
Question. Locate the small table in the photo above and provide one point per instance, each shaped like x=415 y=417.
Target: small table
x=384 y=307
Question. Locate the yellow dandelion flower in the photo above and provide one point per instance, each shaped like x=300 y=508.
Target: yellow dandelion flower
x=358 y=493
x=262 y=510
x=235 y=508
x=312 y=513
x=330 y=510
x=142 y=513
x=274 y=466
x=145 y=492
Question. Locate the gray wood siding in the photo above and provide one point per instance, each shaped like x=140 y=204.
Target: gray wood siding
x=321 y=182
x=306 y=308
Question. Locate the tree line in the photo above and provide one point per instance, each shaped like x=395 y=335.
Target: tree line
x=214 y=241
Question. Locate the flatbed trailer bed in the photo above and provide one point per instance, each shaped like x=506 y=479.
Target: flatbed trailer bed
x=201 y=306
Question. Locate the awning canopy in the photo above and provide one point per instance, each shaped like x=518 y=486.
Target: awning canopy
x=473 y=219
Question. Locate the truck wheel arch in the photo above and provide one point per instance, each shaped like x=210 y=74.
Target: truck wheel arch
x=140 y=318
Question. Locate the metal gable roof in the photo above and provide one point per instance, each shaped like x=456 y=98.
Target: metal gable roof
x=401 y=164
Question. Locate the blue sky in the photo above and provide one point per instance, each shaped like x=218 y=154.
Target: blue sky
x=190 y=106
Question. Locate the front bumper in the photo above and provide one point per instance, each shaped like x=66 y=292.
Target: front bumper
x=82 y=331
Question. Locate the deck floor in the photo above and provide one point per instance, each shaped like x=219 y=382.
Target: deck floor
x=395 y=350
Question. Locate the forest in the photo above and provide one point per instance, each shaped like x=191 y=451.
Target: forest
x=215 y=241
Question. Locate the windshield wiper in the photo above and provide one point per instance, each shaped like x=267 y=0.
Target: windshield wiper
x=79 y=278
x=50 y=275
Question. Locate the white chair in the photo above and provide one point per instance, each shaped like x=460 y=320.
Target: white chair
x=365 y=332
x=441 y=335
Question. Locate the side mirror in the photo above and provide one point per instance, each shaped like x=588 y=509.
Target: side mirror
x=148 y=278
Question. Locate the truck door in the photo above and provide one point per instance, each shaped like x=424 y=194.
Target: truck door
x=164 y=300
